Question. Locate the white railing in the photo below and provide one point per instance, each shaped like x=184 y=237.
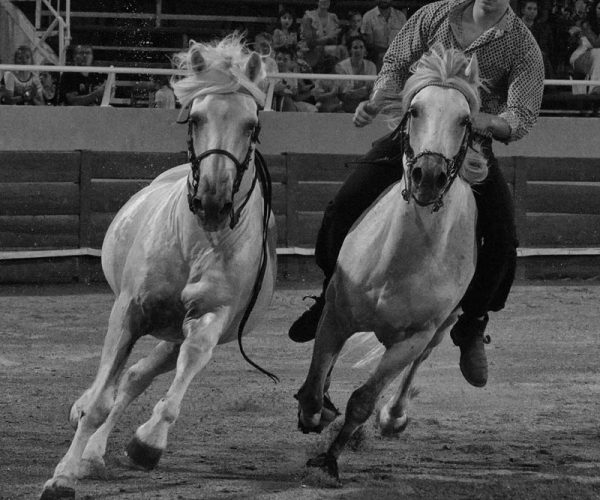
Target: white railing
x=111 y=71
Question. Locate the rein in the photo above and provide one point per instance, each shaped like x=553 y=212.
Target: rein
x=452 y=164
x=264 y=178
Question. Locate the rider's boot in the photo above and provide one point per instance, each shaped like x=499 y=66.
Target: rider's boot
x=468 y=334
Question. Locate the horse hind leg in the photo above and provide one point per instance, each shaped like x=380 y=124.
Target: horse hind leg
x=96 y=403
x=392 y=418
x=134 y=382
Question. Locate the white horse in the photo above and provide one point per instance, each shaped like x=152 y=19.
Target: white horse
x=408 y=260
x=187 y=258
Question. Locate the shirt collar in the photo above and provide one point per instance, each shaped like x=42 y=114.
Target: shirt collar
x=505 y=23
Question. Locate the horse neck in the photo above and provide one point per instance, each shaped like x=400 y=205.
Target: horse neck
x=436 y=228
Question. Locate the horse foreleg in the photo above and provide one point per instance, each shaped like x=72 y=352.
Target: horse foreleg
x=362 y=401
x=392 y=418
x=201 y=336
x=312 y=415
x=135 y=381
x=98 y=400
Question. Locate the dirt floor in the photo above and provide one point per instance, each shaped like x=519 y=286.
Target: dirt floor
x=532 y=433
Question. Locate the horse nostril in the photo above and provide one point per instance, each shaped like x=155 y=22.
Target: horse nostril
x=226 y=208
x=197 y=204
x=442 y=179
x=417 y=175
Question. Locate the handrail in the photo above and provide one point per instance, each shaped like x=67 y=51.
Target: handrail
x=273 y=77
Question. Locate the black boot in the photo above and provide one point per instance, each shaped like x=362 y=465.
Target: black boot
x=468 y=334
x=305 y=327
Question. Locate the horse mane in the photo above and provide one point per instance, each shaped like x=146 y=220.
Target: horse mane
x=223 y=71
x=444 y=68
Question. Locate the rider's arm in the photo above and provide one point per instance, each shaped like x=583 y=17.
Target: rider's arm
x=525 y=91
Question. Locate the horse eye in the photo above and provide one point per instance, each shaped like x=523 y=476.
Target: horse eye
x=413 y=112
x=465 y=121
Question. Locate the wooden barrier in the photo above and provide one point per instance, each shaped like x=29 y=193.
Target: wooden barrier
x=66 y=200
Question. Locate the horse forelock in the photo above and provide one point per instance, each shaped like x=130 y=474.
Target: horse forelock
x=449 y=68
x=223 y=71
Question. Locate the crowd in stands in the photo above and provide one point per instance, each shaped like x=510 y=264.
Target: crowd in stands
x=567 y=32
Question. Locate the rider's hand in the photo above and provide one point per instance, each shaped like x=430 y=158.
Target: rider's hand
x=364 y=113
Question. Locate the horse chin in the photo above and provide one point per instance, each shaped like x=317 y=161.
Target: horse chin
x=212 y=224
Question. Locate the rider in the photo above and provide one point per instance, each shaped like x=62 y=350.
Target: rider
x=511 y=66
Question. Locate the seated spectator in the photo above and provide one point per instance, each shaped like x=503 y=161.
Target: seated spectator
x=354 y=91
x=287 y=33
x=49 y=82
x=321 y=30
x=304 y=85
x=352 y=29
x=380 y=25
x=586 y=57
x=163 y=95
x=22 y=87
x=541 y=31
x=82 y=89
x=326 y=92
x=285 y=94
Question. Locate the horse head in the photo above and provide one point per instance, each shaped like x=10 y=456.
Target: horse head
x=221 y=98
x=438 y=100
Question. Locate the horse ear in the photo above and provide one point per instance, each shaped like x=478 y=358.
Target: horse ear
x=198 y=63
x=472 y=69
x=253 y=67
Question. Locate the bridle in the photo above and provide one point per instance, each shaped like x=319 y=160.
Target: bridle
x=453 y=165
x=240 y=168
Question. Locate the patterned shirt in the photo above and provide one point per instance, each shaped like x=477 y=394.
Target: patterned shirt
x=381 y=29
x=510 y=62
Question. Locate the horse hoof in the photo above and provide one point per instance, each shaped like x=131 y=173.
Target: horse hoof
x=326 y=463
x=329 y=412
x=142 y=455
x=395 y=428
x=57 y=488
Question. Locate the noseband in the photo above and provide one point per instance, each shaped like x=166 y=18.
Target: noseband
x=240 y=168
x=452 y=164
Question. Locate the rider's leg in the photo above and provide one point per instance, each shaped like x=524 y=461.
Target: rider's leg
x=494 y=273
x=378 y=169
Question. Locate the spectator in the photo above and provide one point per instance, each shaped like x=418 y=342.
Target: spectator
x=321 y=31
x=164 y=97
x=354 y=91
x=22 y=87
x=380 y=25
x=586 y=58
x=287 y=34
x=82 y=89
x=353 y=27
x=49 y=82
x=326 y=92
x=285 y=94
x=541 y=31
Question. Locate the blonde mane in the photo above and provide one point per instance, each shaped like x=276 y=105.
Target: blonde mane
x=223 y=71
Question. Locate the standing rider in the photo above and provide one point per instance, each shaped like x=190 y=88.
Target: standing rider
x=511 y=66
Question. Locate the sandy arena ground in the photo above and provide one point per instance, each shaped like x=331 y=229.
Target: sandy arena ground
x=532 y=433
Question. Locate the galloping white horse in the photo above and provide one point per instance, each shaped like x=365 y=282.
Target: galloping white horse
x=407 y=262
x=186 y=258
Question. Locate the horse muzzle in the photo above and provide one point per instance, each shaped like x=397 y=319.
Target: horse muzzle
x=212 y=213
x=428 y=179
